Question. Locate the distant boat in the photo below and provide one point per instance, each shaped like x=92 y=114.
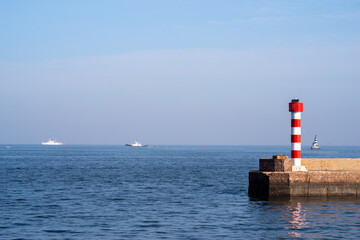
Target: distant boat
x=52 y=142
x=315 y=144
x=136 y=144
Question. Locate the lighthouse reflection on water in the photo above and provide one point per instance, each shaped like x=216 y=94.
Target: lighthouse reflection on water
x=298 y=219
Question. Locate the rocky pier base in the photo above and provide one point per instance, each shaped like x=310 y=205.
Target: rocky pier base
x=324 y=177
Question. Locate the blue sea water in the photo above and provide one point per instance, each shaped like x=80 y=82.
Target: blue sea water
x=159 y=192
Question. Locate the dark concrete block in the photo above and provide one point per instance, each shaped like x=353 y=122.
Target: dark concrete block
x=276 y=164
x=258 y=184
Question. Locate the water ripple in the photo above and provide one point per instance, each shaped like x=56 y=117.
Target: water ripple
x=167 y=192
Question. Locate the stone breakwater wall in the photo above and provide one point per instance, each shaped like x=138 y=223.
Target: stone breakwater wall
x=325 y=177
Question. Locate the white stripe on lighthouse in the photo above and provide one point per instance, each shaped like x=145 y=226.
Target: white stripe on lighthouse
x=295 y=115
x=295 y=146
x=296 y=131
x=296 y=162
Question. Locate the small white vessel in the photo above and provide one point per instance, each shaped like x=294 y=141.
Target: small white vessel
x=136 y=144
x=52 y=142
x=315 y=144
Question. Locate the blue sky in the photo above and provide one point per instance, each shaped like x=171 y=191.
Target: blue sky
x=178 y=72
x=40 y=30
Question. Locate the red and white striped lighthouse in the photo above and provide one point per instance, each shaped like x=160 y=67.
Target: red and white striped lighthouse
x=296 y=107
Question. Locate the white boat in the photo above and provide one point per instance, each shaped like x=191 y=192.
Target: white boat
x=315 y=144
x=52 y=142
x=136 y=144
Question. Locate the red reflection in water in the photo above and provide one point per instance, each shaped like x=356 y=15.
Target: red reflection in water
x=298 y=220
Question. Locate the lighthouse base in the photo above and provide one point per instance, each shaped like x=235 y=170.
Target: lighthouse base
x=299 y=169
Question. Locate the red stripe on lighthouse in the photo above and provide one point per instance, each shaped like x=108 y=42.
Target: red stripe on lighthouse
x=296 y=154
x=295 y=122
x=295 y=138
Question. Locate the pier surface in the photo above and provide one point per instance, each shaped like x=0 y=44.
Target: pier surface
x=325 y=177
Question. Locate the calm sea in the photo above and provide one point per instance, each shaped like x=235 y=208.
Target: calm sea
x=159 y=192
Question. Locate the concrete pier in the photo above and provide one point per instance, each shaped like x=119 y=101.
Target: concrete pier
x=324 y=177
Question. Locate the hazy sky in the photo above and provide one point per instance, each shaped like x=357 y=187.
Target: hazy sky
x=179 y=72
